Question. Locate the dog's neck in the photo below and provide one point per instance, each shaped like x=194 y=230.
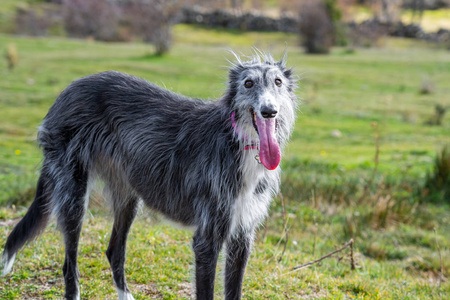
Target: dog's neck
x=250 y=144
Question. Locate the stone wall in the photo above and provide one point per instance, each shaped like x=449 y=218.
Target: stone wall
x=426 y=4
x=257 y=22
x=244 y=21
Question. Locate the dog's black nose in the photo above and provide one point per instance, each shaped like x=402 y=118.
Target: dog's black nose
x=268 y=112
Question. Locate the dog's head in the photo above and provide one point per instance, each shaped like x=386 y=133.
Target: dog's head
x=261 y=96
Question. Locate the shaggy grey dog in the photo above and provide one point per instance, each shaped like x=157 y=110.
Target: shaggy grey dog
x=210 y=165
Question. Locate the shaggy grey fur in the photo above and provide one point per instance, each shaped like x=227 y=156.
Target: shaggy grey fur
x=185 y=158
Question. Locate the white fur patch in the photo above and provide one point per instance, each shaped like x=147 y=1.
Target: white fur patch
x=123 y=295
x=251 y=209
x=7 y=263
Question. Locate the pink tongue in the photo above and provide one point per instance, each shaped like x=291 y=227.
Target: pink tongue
x=269 y=150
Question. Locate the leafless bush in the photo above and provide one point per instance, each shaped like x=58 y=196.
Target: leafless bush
x=107 y=20
x=257 y=4
x=36 y=21
x=236 y=4
x=85 y=18
x=386 y=11
x=367 y=34
x=152 y=20
x=287 y=6
x=29 y=22
x=316 y=27
x=347 y=9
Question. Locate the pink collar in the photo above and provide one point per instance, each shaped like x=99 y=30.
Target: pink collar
x=253 y=144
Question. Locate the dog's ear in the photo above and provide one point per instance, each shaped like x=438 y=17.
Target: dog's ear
x=287 y=73
x=282 y=64
x=233 y=79
x=233 y=74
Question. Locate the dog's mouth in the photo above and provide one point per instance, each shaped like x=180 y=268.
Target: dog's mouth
x=269 y=149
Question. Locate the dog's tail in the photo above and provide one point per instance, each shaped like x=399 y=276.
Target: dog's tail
x=31 y=225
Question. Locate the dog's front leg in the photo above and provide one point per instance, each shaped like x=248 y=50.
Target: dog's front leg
x=206 y=248
x=238 y=249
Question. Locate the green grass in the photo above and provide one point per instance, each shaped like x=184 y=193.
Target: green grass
x=396 y=249
x=399 y=262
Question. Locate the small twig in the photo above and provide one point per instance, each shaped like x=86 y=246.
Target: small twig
x=441 y=275
x=349 y=243
x=352 y=260
x=286 y=231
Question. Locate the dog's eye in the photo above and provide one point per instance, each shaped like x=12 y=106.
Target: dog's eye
x=278 y=82
x=248 y=84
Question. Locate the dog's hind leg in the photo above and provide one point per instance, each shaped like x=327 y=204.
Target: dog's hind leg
x=71 y=196
x=123 y=218
x=237 y=253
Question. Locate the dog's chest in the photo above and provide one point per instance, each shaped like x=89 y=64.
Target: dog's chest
x=252 y=204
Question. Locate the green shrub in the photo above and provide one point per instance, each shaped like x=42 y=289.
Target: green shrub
x=437 y=184
x=381 y=252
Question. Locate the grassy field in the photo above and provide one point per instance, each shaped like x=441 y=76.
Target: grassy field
x=398 y=241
